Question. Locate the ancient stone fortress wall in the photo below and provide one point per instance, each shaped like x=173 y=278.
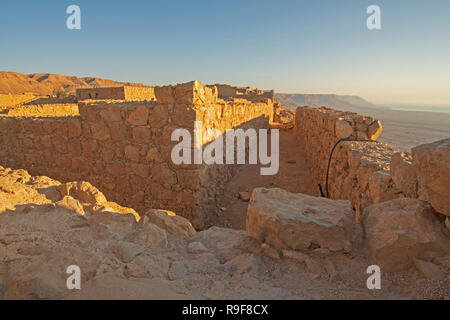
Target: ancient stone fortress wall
x=371 y=172
x=359 y=171
x=42 y=110
x=126 y=93
x=226 y=91
x=124 y=148
x=8 y=100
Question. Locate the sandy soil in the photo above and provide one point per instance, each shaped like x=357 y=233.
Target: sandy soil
x=293 y=176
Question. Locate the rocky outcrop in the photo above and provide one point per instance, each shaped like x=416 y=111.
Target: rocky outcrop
x=431 y=163
x=41 y=234
x=298 y=222
x=401 y=230
x=403 y=174
x=169 y=221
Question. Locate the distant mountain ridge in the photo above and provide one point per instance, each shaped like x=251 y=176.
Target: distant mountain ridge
x=293 y=100
x=47 y=83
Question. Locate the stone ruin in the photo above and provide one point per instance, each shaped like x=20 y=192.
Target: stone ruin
x=384 y=204
x=126 y=93
x=123 y=146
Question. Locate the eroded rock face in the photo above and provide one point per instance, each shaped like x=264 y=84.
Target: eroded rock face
x=286 y=220
x=403 y=175
x=400 y=230
x=431 y=163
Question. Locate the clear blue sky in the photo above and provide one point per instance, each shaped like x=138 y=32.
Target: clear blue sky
x=290 y=46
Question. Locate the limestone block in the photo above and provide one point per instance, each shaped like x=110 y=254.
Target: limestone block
x=343 y=129
x=400 y=230
x=141 y=134
x=74 y=128
x=170 y=222
x=132 y=153
x=403 y=175
x=82 y=191
x=431 y=163
x=159 y=116
x=111 y=114
x=163 y=174
x=100 y=131
x=381 y=187
x=138 y=117
x=165 y=95
x=296 y=221
x=116 y=169
x=140 y=169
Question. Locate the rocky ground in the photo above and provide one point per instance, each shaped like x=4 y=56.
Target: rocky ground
x=45 y=226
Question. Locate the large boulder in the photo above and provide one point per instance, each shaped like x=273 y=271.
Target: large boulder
x=431 y=164
x=401 y=230
x=403 y=175
x=292 y=221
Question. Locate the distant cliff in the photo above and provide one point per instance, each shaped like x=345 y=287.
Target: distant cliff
x=293 y=100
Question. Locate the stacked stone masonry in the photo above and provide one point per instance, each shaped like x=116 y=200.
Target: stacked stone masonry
x=42 y=110
x=371 y=172
x=359 y=171
x=9 y=100
x=226 y=91
x=124 y=148
x=127 y=93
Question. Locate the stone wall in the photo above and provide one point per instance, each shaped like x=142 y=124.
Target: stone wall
x=124 y=148
x=117 y=93
x=42 y=110
x=359 y=171
x=226 y=91
x=126 y=93
x=139 y=93
x=8 y=100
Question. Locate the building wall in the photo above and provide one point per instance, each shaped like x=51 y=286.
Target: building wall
x=126 y=93
x=112 y=93
x=139 y=94
x=43 y=110
x=226 y=91
x=124 y=148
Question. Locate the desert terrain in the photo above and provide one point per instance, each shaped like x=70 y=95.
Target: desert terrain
x=91 y=182
x=402 y=129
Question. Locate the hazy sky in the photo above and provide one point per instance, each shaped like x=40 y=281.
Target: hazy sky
x=290 y=46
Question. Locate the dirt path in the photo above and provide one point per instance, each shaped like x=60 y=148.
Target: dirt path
x=292 y=176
